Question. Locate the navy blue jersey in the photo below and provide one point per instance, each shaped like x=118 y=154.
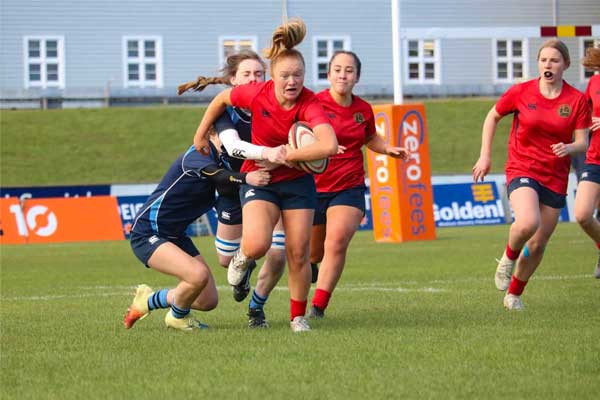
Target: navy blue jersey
x=238 y=119
x=183 y=195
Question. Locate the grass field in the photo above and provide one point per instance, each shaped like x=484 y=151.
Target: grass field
x=413 y=320
x=136 y=145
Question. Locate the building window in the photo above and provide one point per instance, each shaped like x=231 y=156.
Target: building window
x=510 y=57
x=422 y=61
x=229 y=45
x=142 y=61
x=323 y=49
x=586 y=74
x=44 y=61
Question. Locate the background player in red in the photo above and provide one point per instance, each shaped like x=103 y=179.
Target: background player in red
x=548 y=113
x=275 y=105
x=588 y=190
x=341 y=188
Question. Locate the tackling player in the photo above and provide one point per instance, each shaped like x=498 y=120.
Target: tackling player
x=159 y=241
x=548 y=113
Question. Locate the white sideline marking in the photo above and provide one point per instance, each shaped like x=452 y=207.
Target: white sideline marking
x=351 y=287
x=130 y=291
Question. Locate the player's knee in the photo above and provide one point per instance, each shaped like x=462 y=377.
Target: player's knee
x=525 y=228
x=583 y=218
x=297 y=258
x=198 y=276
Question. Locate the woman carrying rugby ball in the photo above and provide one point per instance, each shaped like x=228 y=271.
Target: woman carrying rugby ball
x=341 y=188
x=275 y=105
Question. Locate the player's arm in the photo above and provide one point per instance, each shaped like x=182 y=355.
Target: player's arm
x=579 y=145
x=227 y=182
x=214 y=110
x=377 y=144
x=484 y=163
x=239 y=148
x=325 y=146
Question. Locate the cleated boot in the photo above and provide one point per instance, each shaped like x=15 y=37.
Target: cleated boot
x=139 y=307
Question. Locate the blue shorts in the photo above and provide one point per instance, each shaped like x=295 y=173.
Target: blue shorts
x=299 y=193
x=590 y=173
x=546 y=196
x=145 y=245
x=229 y=210
x=353 y=197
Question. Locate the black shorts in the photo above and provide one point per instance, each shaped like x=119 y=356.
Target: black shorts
x=353 y=197
x=299 y=193
x=546 y=196
x=229 y=210
x=590 y=173
x=145 y=245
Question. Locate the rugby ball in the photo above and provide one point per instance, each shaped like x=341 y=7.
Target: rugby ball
x=299 y=136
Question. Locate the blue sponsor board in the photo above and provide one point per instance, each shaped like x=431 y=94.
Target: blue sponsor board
x=41 y=192
x=463 y=204
x=129 y=206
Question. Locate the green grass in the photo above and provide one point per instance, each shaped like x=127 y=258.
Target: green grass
x=412 y=320
x=136 y=145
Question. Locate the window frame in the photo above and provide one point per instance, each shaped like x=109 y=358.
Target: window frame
x=421 y=60
x=582 y=40
x=43 y=61
x=141 y=60
x=510 y=59
x=237 y=39
x=347 y=46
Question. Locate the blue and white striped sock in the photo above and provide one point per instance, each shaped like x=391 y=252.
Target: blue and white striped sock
x=158 y=300
x=179 y=312
x=257 y=301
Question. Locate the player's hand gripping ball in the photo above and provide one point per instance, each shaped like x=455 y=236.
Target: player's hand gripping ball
x=299 y=136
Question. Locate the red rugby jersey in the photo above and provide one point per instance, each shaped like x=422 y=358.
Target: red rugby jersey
x=537 y=124
x=592 y=95
x=271 y=122
x=353 y=126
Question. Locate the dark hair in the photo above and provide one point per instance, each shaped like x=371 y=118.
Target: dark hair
x=592 y=58
x=558 y=45
x=285 y=37
x=229 y=70
x=357 y=62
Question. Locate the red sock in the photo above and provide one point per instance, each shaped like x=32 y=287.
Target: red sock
x=321 y=298
x=598 y=245
x=297 y=308
x=516 y=286
x=512 y=254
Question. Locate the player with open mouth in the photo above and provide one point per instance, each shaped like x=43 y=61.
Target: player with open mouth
x=550 y=122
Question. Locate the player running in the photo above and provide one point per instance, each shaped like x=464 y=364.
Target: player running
x=234 y=130
x=548 y=113
x=341 y=188
x=275 y=105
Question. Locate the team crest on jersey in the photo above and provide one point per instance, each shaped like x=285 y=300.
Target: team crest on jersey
x=359 y=118
x=564 y=110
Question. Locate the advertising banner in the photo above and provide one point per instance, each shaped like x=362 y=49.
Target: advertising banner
x=401 y=192
x=463 y=204
x=56 y=220
x=45 y=192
